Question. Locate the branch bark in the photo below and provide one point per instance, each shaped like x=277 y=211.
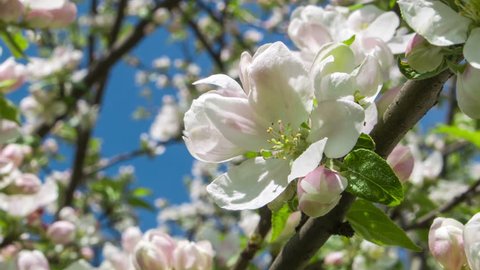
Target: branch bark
x=410 y=105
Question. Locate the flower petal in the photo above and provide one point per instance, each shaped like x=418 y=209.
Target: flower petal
x=471 y=241
x=280 y=88
x=236 y=121
x=221 y=80
x=383 y=26
x=340 y=121
x=435 y=21
x=333 y=57
x=334 y=86
x=308 y=160
x=250 y=185
x=468 y=92
x=369 y=77
x=471 y=50
x=203 y=140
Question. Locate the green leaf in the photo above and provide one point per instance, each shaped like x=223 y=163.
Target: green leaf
x=16 y=43
x=137 y=202
x=279 y=219
x=141 y=192
x=364 y=142
x=373 y=225
x=8 y=110
x=349 y=41
x=412 y=74
x=457 y=132
x=371 y=178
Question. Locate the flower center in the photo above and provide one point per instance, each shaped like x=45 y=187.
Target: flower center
x=286 y=142
x=469 y=9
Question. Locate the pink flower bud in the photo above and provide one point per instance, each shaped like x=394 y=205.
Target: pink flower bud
x=193 y=256
x=61 y=232
x=335 y=258
x=12 y=74
x=422 y=56
x=52 y=17
x=445 y=241
x=319 y=191
x=401 y=160
x=468 y=92
x=130 y=237
x=87 y=253
x=32 y=260
x=154 y=251
x=25 y=183
x=471 y=238
x=15 y=153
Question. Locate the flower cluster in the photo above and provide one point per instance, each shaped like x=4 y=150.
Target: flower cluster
x=38 y=13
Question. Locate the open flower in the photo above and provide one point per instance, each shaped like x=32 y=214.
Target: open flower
x=265 y=121
x=442 y=26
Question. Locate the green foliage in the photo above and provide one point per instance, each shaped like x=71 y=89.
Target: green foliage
x=279 y=220
x=460 y=133
x=371 y=178
x=373 y=225
x=364 y=142
x=15 y=41
x=8 y=110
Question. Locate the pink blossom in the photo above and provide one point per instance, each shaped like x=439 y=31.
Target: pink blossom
x=50 y=16
x=193 y=256
x=32 y=260
x=61 y=232
x=445 y=241
x=12 y=74
x=319 y=191
x=401 y=160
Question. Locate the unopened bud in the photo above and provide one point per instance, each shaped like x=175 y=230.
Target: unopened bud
x=193 y=256
x=422 y=56
x=61 y=232
x=445 y=241
x=154 y=251
x=319 y=191
x=29 y=260
x=401 y=160
x=471 y=238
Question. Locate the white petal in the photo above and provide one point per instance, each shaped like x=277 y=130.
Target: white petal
x=308 y=160
x=236 y=121
x=44 y=4
x=435 y=21
x=245 y=61
x=369 y=77
x=21 y=205
x=468 y=92
x=371 y=118
x=399 y=43
x=280 y=87
x=203 y=140
x=334 y=86
x=222 y=81
x=341 y=122
x=471 y=50
x=383 y=26
x=333 y=57
x=250 y=185
x=471 y=241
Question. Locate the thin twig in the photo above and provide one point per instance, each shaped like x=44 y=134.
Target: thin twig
x=255 y=242
x=425 y=220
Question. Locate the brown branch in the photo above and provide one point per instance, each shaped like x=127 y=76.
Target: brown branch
x=410 y=105
x=255 y=242
x=425 y=220
x=118 y=22
x=199 y=35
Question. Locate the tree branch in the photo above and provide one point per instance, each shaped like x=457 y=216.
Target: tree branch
x=410 y=105
x=255 y=242
x=425 y=220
